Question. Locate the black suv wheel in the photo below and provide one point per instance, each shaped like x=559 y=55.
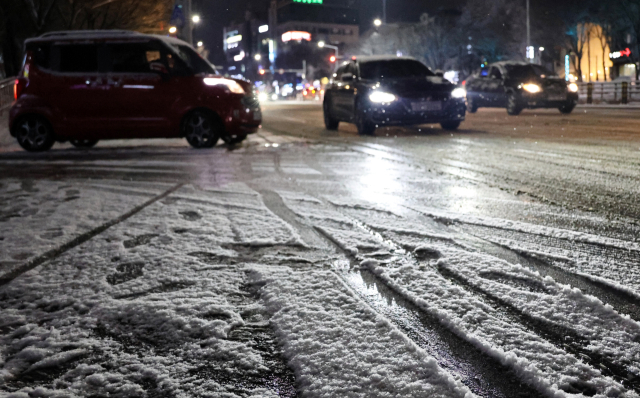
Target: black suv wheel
x=34 y=133
x=472 y=105
x=451 y=125
x=513 y=105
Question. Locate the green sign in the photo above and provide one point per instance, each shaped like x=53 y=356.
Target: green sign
x=308 y=1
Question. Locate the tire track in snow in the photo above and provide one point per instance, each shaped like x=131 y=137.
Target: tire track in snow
x=53 y=253
x=622 y=301
x=577 y=347
x=482 y=374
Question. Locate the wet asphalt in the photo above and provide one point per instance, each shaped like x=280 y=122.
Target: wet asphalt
x=578 y=172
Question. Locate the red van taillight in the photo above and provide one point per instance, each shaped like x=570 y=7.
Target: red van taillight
x=19 y=87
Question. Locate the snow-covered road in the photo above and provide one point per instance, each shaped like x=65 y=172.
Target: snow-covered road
x=310 y=264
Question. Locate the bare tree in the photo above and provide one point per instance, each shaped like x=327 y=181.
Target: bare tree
x=577 y=40
x=603 y=34
x=140 y=15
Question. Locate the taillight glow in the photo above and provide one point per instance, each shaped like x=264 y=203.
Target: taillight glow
x=18 y=88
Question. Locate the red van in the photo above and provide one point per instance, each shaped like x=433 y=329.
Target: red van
x=85 y=86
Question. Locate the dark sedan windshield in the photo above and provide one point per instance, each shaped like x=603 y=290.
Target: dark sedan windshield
x=527 y=71
x=394 y=69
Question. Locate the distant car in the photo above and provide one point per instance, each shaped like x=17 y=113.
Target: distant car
x=311 y=93
x=391 y=91
x=88 y=86
x=517 y=86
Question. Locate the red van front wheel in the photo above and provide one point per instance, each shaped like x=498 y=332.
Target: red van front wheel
x=202 y=130
x=34 y=133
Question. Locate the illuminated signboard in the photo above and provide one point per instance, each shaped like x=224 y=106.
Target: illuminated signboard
x=619 y=54
x=567 y=67
x=308 y=1
x=234 y=39
x=239 y=57
x=296 y=36
x=263 y=29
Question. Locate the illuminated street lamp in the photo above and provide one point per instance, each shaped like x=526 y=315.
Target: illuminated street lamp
x=258 y=57
x=200 y=44
x=195 y=19
x=173 y=30
x=377 y=22
x=322 y=44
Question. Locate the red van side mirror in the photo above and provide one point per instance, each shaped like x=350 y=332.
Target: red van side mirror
x=159 y=68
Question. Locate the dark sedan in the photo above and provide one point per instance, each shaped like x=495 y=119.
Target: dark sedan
x=517 y=86
x=391 y=91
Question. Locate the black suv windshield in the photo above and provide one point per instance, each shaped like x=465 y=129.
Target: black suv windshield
x=521 y=72
x=394 y=69
x=193 y=60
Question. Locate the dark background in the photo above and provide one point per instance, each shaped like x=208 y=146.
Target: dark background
x=216 y=15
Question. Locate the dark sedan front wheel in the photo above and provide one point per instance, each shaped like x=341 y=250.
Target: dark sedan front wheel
x=330 y=122
x=364 y=125
x=567 y=108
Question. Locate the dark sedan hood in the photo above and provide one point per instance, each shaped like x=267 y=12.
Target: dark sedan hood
x=413 y=87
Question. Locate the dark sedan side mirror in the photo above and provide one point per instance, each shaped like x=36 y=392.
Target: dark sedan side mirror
x=347 y=77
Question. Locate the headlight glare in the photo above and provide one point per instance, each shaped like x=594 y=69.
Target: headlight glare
x=573 y=87
x=231 y=85
x=459 y=93
x=532 y=88
x=381 y=97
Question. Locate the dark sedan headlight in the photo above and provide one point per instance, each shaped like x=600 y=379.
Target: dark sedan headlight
x=380 y=97
x=531 y=88
x=459 y=93
x=573 y=88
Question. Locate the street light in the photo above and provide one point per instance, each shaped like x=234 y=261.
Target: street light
x=200 y=44
x=377 y=22
x=258 y=57
x=322 y=44
x=195 y=18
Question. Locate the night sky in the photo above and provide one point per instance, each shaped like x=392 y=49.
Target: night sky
x=217 y=14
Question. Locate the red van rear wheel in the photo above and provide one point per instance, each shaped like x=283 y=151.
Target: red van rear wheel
x=202 y=130
x=34 y=133
x=83 y=143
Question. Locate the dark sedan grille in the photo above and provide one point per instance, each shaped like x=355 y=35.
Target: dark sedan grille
x=251 y=102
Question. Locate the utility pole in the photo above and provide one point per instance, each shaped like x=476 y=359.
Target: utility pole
x=189 y=29
x=528 y=30
x=384 y=11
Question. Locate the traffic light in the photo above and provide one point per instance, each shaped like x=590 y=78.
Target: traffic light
x=332 y=59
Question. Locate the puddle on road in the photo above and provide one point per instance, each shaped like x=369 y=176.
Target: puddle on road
x=483 y=375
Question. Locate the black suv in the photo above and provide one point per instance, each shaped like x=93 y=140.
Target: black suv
x=391 y=91
x=519 y=85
